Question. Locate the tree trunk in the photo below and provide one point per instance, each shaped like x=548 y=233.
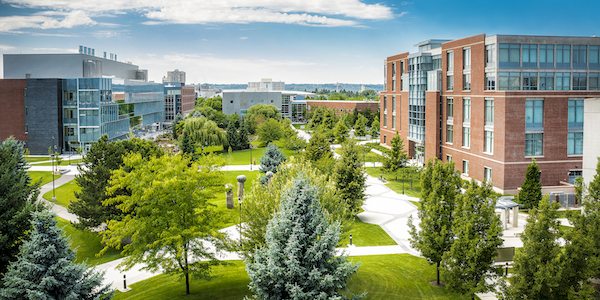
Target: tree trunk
x=437 y=269
x=187 y=283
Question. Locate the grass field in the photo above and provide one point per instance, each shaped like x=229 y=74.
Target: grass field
x=232 y=216
x=44 y=176
x=413 y=189
x=64 y=193
x=36 y=158
x=86 y=244
x=364 y=234
x=366 y=156
x=399 y=276
x=64 y=162
x=242 y=157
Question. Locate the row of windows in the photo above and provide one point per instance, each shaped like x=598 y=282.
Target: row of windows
x=466 y=123
x=562 y=81
x=549 y=56
x=487 y=171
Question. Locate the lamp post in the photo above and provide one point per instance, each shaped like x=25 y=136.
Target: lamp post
x=52 y=155
x=250 y=156
x=241 y=179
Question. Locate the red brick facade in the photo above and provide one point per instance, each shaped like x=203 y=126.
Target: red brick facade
x=343 y=106
x=188 y=99
x=12 y=115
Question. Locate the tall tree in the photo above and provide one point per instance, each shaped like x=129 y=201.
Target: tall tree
x=233 y=135
x=395 y=158
x=340 y=131
x=589 y=222
x=103 y=157
x=317 y=147
x=45 y=268
x=243 y=139
x=360 y=127
x=168 y=217
x=258 y=114
x=440 y=188
x=272 y=158
x=299 y=260
x=375 y=127
x=269 y=131
x=203 y=132
x=536 y=265
x=469 y=264
x=174 y=128
x=531 y=190
x=349 y=177
x=17 y=195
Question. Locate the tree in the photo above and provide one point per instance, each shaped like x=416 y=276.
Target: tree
x=45 y=268
x=202 y=132
x=589 y=222
x=360 y=127
x=349 y=177
x=440 y=186
x=317 y=147
x=174 y=128
x=232 y=135
x=211 y=114
x=17 y=195
x=269 y=131
x=168 y=217
x=258 y=114
x=299 y=260
x=375 y=127
x=396 y=157
x=340 y=131
x=531 y=190
x=271 y=159
x=536 y=265
x=469 y=264
x=243 y=139
x=103 y=157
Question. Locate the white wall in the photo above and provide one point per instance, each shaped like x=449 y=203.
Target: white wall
x=591 y=137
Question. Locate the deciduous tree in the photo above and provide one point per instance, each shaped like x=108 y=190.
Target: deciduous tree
x=269 y=131
x=340 y=131
x=349 y=177
x=375 y=127
x=202 y=132
x=360 y=127
x=395 y=158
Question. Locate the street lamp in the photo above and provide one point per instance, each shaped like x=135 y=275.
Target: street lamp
x=250 y=156
x=241 y=179
x=52 y=155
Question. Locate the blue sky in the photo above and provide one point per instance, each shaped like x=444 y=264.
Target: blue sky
x=296 y=41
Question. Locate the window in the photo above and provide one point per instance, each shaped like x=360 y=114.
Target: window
x=575 y=114
x=546 y=81
x=509 y=55
x=449 y=108
x=580 y=56
x=449 y=82
x=490 y=81
x=594 y=81
x=563 y=81
x=393 y=76
x=401 y=67
x=489 y=111
x=547 y=56
x=466 y=110
x=385 y=111
x=594 y=53
x=450 y=61
x=575 y=143
x=534 y=115
x=466 y=58
x=579 y=81
x=466 y=82
x=449 y=133
x=530 y=81
x=465 y=167
x=534 y=144
x=384 y=139
x=509 y=81
x=466 y=137
x=488 y=143
x=393 y=112
x=448 y=158
x=563 y=56
x=487 y=174
x=529 y=55
x=490 y=55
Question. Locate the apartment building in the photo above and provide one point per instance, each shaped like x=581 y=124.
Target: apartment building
x=492 y=103
x=179 y=100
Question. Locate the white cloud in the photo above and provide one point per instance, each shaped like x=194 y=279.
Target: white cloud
x=243 y=38
x=45 y=20
x=301 y=12
x=4 y=47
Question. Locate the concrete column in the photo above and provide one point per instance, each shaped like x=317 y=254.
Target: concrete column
x=515 y=211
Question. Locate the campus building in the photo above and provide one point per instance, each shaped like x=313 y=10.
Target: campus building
x=492 y=103
x=67 y=101
x=174 y=76
x=179 y=100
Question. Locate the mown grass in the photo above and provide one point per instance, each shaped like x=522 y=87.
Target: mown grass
x=243 y=157
x=43 y=176
x=65 y=193
x=64 y=162
x=403 y=183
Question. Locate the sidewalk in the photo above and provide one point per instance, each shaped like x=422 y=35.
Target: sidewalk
x=55 y=208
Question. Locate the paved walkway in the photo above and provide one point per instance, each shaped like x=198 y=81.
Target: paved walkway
x=57 y=209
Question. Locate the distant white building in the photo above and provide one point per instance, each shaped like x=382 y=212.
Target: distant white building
x=175 y=76
x=591 y=140
x=266 y=85
x=205 y=90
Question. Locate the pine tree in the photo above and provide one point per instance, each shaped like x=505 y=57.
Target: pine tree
x=468 y=265
x=349 y=177
x=375 y=127
x=536 y=265
x=176 y=121
x=299 y=260
x=45 y=268
x=340 y=131
x=17 y=196
x=360 y=127
x=396 y=157
x=531 y=190
x=317 y=147
x=243 y=139
x=272 y=158
x=440 y=187
x=232 y=136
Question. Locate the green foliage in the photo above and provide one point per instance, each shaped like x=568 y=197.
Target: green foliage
x=318 y=147
x=272 y=158
x=17 y=195
x=593 y=190
x=45 y=268
x=440 y=185
x=360 y=127
x=531 y=190
x=536 y=266
x=237 y=134
x=375 y=127
x=299 y=259
x=468 y=265
x=587 y=224
x=103 y=158
x=340 y=131
x=200 y=132
x=269 y=131
x=176 y=127
x=322 y=117
x=349 y=177
x=396 y=157
x=167 y=213
x=258 y=114
x=211 y=114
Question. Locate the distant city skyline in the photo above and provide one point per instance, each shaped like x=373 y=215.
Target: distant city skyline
x=318 y=41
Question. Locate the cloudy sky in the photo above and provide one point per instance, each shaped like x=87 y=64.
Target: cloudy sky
x=297 y=41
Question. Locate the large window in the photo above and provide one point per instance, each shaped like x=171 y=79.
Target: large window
x=449 y=109
x=546 y=81
x=534 y=144
x=563 y=81
x=534 y=115
x=509 y=81
x=594 y=81
x=489 y=111
x=449 y=82
x=449 y=133
x=466 y=137
x=575 y=125
x=563 y=56
x=487 y=174
x=466 y=110
x=530 y=81
x=509 y=55
x=466 y=82
x=384 y=111
x=393 y=112
x=488 y=143
x=579 y=81
x=594 y=53
x=529 y=55
x=450 y=61
x=393 y=76
x=580 y=56
x=465 y=167
x=466 y=58
x=490 y=81
x=547 y=56
x=490 y=56
x=575 y=143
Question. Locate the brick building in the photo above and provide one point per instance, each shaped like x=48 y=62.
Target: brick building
x=341 y=106
x=493 y=103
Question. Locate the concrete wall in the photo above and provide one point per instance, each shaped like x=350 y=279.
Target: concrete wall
x=12 y=109
x=236 y=101
x=591 y=138
x=43 y=102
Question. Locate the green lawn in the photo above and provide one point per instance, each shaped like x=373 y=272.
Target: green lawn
x=36 y=158
x=299 y=126
x=64 y=193
x=44 y=176
x=398 y=276
x=364 y=234
x=86 y=244
x=232 y=216
x=413 y=190
x=366 y=156
x=242 y=157
x=64 y=162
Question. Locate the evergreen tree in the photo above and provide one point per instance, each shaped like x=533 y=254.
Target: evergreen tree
x=174 y=128
x=440 y=187
x=232 y=136
x=17 y=196
x=349 y=177
x=45 y=268
x=299 y=260
x=317 y=147
x=360 y=127
x=272 y=158
x=340 y=132
x=186 y=144
x=243 y=139
x=589 y=222
x=536 y=266
x=531 y=190
x=375 y=127
x=469 y=264
x=396 y=157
